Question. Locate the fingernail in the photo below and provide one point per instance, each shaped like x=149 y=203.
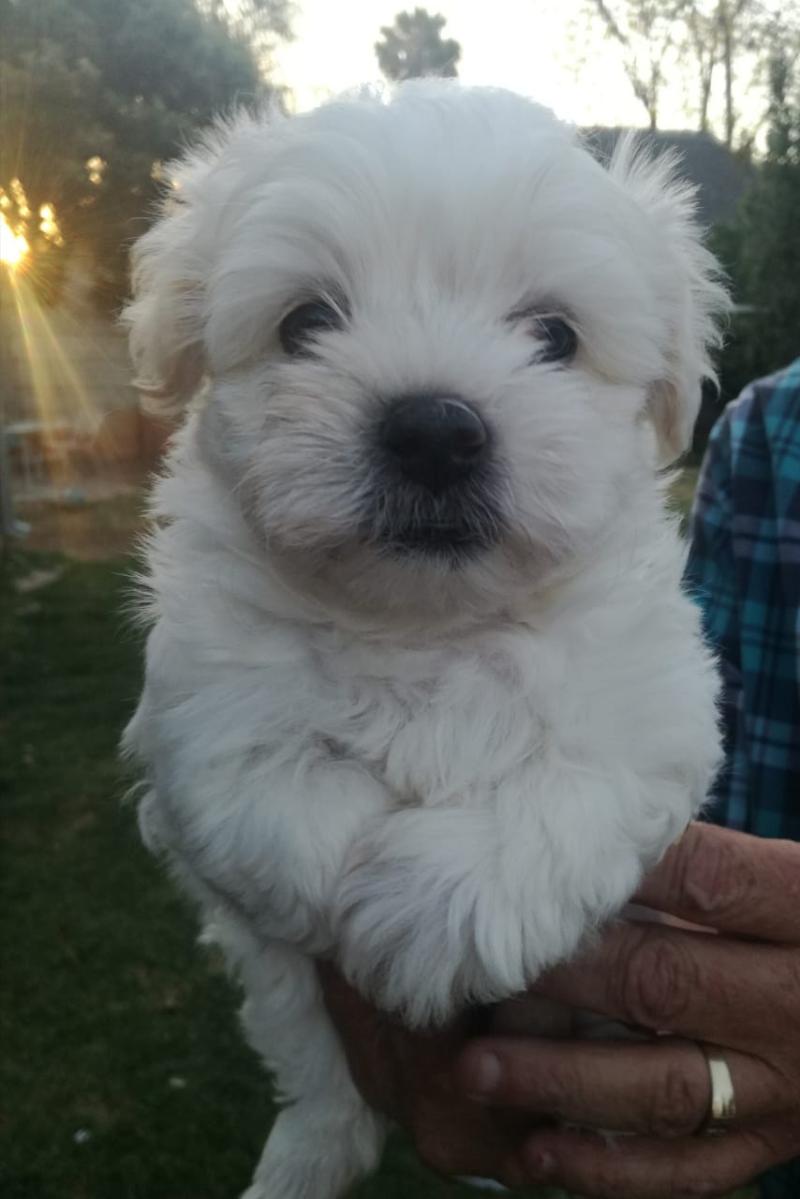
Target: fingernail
x=484 y=1075
x=540 y=1163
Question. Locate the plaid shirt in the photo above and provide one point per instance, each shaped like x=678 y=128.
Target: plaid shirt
x=744 y=566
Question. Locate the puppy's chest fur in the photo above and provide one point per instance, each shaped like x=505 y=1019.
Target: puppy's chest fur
x=432 y=725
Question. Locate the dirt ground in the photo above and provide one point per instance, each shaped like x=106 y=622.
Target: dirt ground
x=87 y=529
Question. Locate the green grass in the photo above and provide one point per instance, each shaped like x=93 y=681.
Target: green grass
x=114 y=1026
x=112 y=1022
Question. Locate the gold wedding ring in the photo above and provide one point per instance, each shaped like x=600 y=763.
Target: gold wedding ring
x=722 y=1107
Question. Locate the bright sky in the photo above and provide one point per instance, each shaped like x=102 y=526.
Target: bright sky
x=537 y=47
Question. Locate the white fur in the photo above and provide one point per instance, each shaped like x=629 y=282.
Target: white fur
x=444 y=776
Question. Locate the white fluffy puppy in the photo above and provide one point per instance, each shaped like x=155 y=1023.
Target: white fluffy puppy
x=423 y=692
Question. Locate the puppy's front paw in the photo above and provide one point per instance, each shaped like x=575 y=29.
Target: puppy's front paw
x=423 y=928
x=394 y=942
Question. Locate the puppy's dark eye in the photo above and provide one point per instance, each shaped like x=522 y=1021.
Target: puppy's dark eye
x=559 y=340
x=300 y=328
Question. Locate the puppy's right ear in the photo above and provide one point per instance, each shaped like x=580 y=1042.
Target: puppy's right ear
x=166 y=315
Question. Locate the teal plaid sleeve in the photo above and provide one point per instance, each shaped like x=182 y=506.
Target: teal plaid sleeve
x=712 y=578
x=744 y=568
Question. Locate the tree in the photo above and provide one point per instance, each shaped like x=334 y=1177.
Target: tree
x=646 y=31
x=717 y=41
x=261 y=22
x=729 y=39
x=703 y=29
x=97 y=93
x=720 y=34
x=414 y=47
x=761 y=248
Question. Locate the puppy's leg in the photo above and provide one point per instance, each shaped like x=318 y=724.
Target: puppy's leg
x=443 y=907
x=326 y=1137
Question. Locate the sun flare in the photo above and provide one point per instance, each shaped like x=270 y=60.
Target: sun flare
x=13 y=246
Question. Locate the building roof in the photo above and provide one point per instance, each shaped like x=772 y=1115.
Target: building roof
x=721 y=177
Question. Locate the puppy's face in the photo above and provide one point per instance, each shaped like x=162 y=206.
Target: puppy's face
x=432 y=330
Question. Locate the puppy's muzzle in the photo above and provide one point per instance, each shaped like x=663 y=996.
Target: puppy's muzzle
x=434 y=441
x=435 y=483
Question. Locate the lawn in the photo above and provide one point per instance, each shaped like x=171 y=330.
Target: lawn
x=123 y=1074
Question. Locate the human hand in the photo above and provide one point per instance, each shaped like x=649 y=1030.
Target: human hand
x=409 y=1076
x=738 y=990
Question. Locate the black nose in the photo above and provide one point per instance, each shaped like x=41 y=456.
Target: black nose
x=434 y=440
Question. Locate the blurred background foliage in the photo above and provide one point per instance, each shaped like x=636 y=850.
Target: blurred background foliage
x=761 y=246
x=120 y=85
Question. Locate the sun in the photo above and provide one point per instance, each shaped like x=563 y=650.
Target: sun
x=13 y=246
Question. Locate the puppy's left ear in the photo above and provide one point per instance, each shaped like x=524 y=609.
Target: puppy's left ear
x=689 y=287
x=171 y=263
x=165 y=317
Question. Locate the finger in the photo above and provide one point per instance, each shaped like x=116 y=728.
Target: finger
x=661 y=1088
x=366 y=1037
x=642 y=1167
x=701 y=987
x=340 y=997
x=400 y=1072
x=409 y=1076
x=730 y=881
x=453 y=1135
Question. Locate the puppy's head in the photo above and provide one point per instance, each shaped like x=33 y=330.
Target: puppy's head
x=438 y=337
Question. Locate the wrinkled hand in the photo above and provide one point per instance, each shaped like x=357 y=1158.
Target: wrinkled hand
x=410 y=1077
x=477 y=1104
